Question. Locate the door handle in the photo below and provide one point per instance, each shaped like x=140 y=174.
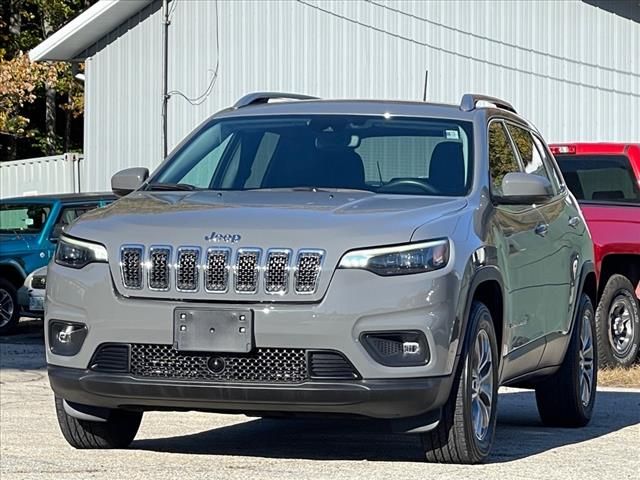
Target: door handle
x=541 y=229
x=574 y=221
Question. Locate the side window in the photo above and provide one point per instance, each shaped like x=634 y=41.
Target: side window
x=550 y=164
x=502 y=159
x=531 y=159
x=202 y=172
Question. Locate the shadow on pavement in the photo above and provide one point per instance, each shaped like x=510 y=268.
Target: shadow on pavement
x=520 y=434
x=24 y=349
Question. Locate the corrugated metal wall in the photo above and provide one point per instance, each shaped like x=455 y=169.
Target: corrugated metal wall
x=569 y=67
x=42 y=175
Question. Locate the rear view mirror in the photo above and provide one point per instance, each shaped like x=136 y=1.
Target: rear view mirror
x=128 y=180
x=524 y=188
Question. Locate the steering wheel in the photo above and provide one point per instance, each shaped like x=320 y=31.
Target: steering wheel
x=409 y=183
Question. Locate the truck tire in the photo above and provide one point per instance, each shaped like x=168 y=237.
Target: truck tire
x=618 y=324
x=467 y=425
x=9 y=308
x=566 y=398
x=117 y=432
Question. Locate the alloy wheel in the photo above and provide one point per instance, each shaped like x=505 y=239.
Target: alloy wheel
x=481 y=385
x=586 y=363
x=7 y=307
x=621 y=325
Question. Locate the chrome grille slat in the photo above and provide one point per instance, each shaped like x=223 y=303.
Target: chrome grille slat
x=159 y=268
x=217 y=270
x=131 y=260
x=247 y=270
x=188 y=269
x=308 y=268
x=276 y=273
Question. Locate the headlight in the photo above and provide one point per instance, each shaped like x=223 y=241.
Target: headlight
x=400 y=260
x=78 y=253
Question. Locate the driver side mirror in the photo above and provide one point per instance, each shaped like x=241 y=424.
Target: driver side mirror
x=56 y=232
x=128 y=180
x=525 y=188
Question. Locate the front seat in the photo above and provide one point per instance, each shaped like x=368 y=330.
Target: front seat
x=339 y=168
x=446 y=169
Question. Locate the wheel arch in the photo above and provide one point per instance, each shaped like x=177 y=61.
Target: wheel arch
x=13 y=272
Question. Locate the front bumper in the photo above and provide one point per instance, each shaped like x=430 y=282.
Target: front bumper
x=31 y=302
x=384 y=398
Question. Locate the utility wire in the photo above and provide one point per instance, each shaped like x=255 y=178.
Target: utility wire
x=500 y=42
x=467 y=57
x=202 y=97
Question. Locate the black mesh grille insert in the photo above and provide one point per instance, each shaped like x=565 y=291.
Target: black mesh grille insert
x=276 y=275
x=187 y=270
x=247 y=268
x=131 y=266
x=159 y=258
x=217 y=269
x=307 y=271
x=111 y=358
x=331 y=365
x=268 y=365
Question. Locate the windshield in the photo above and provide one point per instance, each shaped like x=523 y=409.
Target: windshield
x=600 y=178
x=378 y=154
x=23 y=218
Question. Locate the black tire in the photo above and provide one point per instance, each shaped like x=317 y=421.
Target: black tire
x=8 y=297
x=559 y=398
x=618 y=300
x=454 y=439
x=117 y=432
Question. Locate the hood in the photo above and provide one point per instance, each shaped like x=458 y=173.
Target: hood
x=332 y=221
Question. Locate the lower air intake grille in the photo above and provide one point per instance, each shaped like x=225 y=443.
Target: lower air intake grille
x=331 y=365
x=111 y=358
x=267 y=365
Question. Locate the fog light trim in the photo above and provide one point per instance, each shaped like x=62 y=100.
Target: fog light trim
x=66 y=338
x=398 y=348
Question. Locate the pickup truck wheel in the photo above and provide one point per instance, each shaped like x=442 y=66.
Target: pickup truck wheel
x=618 y=324
x=9 y=308
x=118 y=431
x=468 y=422
x=566 y=398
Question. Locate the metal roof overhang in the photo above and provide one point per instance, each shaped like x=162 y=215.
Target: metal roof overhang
x=70 y=42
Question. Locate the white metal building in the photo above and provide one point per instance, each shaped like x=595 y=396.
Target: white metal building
x=570 y=67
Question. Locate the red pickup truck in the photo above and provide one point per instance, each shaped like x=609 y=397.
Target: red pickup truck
x=605 y=178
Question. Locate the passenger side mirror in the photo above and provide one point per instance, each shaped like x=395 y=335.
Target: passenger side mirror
x=524 y=188
x=128 y=180
x=56 y=232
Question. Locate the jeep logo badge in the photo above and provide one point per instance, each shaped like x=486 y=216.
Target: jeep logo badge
x=223 y=237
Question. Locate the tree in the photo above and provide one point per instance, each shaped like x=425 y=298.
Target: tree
x=34 y=95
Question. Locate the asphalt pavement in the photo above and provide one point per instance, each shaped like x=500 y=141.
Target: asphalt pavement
x=212 y=446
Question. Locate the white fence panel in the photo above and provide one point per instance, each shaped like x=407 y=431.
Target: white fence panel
x=42 y=175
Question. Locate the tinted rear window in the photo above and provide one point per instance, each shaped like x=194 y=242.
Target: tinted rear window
x=600 y=178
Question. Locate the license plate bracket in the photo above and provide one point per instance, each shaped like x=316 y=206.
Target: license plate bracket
x=213 y=330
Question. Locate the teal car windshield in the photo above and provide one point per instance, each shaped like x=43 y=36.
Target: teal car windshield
x=23 y=217
x=391 y=155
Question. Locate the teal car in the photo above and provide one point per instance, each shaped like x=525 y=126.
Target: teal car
x=29 y=231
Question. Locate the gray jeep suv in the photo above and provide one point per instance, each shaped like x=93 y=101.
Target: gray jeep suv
x=396 y=260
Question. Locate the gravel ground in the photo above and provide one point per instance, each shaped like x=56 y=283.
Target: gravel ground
x=198 y=445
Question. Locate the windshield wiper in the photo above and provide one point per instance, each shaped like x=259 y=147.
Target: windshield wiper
x=171 y=186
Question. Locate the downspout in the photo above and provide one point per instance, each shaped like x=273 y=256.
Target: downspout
x=165 y=73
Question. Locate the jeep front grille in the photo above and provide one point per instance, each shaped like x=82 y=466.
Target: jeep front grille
x=159 y=268
x=217 y=270
x=187 y=269
x=267 y=365
x=131 y=266
x=163 y=268
x=247 y=270
x=308 y=271
x=276 y=274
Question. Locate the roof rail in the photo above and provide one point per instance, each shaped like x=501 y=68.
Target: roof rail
x=469 y=101
x=264 y=97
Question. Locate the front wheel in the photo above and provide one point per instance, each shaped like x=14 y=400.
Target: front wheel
x=566 y=398
x=118 y=431
x=9 y=309
x=467 y=426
